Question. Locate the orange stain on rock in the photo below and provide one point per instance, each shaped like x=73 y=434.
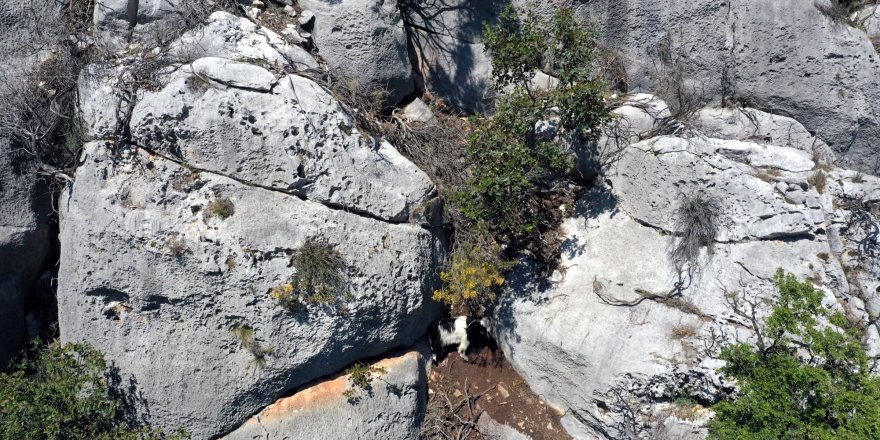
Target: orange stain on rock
x=325 y=393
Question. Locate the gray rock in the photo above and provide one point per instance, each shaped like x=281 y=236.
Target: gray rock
x=239 y=39
x=747 y=124
x=447 y=36
x=418 y=111
x=150 y=23
x=390 y=410
x=364 y=41
x=755 y=53
x=137 y=230
x=674 y=167
x=295 y=139
x=102 y=104
x=497 y=431
x=25 y=245
x=590 y=358
x=306 y=19
x=234 y=74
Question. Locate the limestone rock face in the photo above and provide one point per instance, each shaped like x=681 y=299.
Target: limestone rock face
x=239 y=39
x=592 y=358
x=25 y=244
x=754 y=53
x=391 y=409
x=151 y=23
x=156 y=279
x=293 y=137
x=364 y=41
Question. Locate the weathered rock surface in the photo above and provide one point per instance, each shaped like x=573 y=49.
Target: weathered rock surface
x=292 y=136
x=738 y=49
x=446 y=35
x=147 y=22
x=239 y=39
x=25 y=204
x=25 y=201
x=391 y=409
x=592 y=358
x=364 y=41
x=154 y=280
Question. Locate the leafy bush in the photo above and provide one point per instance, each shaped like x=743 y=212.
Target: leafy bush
x=62 y=393
x=520 y=176
x=320 y=277
x=807 y=378
x=469 y=280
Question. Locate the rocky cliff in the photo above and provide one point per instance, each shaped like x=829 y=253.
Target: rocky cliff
x=219 y=138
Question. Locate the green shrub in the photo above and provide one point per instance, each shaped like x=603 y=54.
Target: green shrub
x=221 y=207
x=804 y=380
x=469 y=280
x=361 y=377
x=519 y=177
x=320 y=277
x=61 y=392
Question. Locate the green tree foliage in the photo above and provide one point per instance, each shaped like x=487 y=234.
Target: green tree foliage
x=807 y=378
x=519 y=176
x=515 y=168
x=62 y=393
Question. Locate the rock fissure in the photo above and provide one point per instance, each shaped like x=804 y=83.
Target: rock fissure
x=333 y=206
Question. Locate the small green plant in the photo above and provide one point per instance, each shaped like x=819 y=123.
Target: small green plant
x=361 y=377
x=245 y=336
x=470 y=279
x=61 y=392
x=221 y=207
x=320 y=277
x=519 y=176
x=807 y=377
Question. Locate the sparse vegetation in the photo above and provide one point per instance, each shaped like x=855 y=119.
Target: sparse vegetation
x=244 y=334
x=470 y=279
x=806 y=377
x=697 y=222
x=320 y=277
x=63 y=392
x=683 y=331
x=221 y=207
x=818 y=180
x=361 y=377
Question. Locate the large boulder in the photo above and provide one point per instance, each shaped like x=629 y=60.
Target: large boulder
x=25 y=244
x=175 y=291
x=285 y=133
x=391 y=409
x=598 y=341
x=364 y=41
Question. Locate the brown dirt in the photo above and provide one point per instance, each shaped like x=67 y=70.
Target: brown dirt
x=496 y=389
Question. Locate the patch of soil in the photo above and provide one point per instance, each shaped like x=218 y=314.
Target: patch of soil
x=488 y=384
